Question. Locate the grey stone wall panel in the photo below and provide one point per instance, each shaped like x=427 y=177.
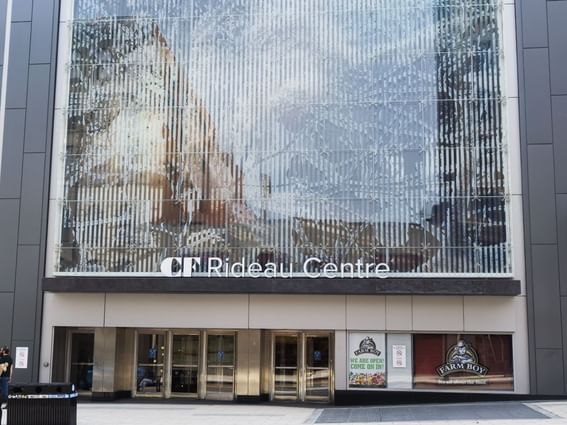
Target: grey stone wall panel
x=3 y=6
x=26 y=292
x=562 y=244
x=42 y=31
x=9 y=209
x=12 y=153
x=564 y=320
x=541 y=186
x=22 y=10
x=37 y=108
x=549 y=372
x=16 y=93
x=6 y=308
x=558 y=46
x=31 y=199
x=559 y=106
x=547 y=305
x=534 y=23
x=537 y=96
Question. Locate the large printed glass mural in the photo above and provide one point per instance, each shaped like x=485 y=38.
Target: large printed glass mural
x=277 y=130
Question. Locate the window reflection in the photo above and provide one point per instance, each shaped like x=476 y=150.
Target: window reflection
x=275 y=131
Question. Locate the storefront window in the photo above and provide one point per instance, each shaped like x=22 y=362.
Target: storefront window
x=274 y=131
x=463 y=362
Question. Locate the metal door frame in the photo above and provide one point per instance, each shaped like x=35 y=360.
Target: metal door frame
x=204 y=394
x=188 y=332
x=331 y=366
x=69 y=351
x=166 y=364
x=301 y=364
x=298 y=337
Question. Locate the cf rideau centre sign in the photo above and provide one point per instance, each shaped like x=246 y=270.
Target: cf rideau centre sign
x=312 y=267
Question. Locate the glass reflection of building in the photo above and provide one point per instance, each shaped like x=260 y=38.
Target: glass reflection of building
x=277 y=130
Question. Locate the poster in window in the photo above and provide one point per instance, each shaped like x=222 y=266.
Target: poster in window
x=399 y=356
x=367 y=360
x=463 y=361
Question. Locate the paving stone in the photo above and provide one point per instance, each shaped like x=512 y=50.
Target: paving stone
x=136 y=413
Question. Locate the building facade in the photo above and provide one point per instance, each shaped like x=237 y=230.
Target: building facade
x=285 y=200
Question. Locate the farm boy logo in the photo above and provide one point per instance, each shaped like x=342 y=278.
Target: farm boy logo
x=367 y=346
x=463 y=358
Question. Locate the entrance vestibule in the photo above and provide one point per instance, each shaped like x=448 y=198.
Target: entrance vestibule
x=302 y=366
x=212 y=364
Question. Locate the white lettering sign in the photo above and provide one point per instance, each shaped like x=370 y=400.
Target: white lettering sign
x=179 y=266
x=312 y=267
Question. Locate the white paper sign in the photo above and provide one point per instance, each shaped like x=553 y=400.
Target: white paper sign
x=21 y=358
x=399 y=356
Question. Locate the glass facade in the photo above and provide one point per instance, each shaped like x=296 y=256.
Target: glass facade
x=436 y=361
x=277 y=130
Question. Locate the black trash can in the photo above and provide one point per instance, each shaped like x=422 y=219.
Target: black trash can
x=42 y=404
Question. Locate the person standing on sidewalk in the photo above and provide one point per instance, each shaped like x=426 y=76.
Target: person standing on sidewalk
x=5 y=376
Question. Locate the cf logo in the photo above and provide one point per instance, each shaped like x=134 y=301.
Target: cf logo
x=179 y=266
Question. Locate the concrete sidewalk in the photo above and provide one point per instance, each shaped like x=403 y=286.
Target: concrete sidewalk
x=501 y=413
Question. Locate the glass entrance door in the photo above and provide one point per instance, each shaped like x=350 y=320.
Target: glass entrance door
x=150 y=364
x=285 y=367
x=302 y=367
x=185 y=365
x=317 y=368
x=82 y=361
x=220 y=366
